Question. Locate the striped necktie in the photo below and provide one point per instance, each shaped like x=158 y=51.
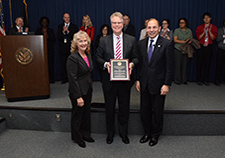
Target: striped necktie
x=118 y=48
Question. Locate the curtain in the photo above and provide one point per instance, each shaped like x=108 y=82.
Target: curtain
x=100 y=11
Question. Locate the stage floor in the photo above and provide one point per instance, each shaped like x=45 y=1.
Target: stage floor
x=181 y=97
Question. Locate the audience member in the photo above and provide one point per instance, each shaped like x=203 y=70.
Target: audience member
x=19 y=28
x=143 y=33
x=49 y=33
x=205 y=33
x=181 y=35
x=66 y=30
x=79 y=68
x=165 y=31
x=220 y=67
x=104 y=31
x=127 y=27
x=88 y=28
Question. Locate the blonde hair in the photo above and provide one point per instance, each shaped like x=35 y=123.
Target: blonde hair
x=88 y=17
x=116 y=14
x=76 y=37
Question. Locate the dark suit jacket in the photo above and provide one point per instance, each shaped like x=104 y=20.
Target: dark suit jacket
x=130 y=30
x=14 y=31
x=79 y=75
x=160 y=70
x=64 y=48
x=105 y=52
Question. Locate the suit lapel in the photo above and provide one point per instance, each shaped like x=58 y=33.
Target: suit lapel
x=124 y=46
x=145 y=49
x=111 y=47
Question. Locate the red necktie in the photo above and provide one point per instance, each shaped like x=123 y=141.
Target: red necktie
x=118 y=48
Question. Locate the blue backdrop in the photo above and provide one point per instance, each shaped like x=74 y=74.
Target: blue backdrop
x=100 y=11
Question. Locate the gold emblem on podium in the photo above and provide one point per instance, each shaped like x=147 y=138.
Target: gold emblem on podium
x=24 y=56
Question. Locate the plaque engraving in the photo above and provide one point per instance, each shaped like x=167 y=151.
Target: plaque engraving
x=119 y=70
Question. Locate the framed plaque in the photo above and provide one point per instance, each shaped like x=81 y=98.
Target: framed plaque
x=119 y=70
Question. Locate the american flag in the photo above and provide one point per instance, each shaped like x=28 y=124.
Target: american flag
x=2 y=29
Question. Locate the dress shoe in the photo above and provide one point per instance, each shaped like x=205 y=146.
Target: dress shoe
x=109 y=140
x=90 y=140
x=199 y=83
x=185 y=83
x=144 y=139
x=81 y=144
x=63 y=82
x=126 y=140
x=153 y=141
x=206 y=83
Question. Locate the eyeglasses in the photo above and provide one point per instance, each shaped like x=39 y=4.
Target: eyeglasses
x=164 y=23
x=116 y=23
x=182 y=22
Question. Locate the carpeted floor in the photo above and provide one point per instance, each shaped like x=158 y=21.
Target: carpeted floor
x=39 y=144
x=181 y=97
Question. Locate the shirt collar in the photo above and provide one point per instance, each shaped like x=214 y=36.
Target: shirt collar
x=67 y=24
x=155 y=39
x=115 y=36
x=19 y=28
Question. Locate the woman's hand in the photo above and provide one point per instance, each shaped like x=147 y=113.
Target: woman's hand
x=80 y=102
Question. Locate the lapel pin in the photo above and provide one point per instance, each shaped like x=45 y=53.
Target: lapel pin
x=159 y=46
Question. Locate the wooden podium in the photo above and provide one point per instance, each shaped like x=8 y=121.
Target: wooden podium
x=25 y=67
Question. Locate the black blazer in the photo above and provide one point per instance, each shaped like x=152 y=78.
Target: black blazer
x=79 y=75
x=14 y=31
x=105 y=52
x=159 y=71
x=130 y=30
x=64 y=48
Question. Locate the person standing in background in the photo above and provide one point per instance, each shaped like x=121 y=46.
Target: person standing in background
x=182 y=35
x=45 y=30
x=143 y=33
x=88 y=28
x=205 y=34
x=166 y=32
x=66 y=30
x=127 y=27
x=220 y=67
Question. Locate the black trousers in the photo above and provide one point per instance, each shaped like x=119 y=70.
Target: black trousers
x=63 y=63
x=81 y=118
x=220 y=65
x=152 y=107
x=122 y=92
x=204 y=57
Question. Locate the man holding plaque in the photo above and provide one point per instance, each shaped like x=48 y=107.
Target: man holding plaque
x=155 y=74
x=121 y=50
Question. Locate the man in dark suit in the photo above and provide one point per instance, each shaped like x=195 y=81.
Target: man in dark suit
x=127 y=27
x=116 y=89
x=19 y=28
x=155 y=73
x=66 y=30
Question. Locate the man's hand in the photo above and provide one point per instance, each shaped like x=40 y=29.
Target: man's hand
x=138 y=86
x=164 y=90
x=108 y=66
